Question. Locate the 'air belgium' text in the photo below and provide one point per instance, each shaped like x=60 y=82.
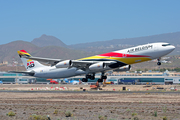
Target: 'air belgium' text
x=140 y=48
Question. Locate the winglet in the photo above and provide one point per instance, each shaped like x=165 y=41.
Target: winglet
x=23 y=53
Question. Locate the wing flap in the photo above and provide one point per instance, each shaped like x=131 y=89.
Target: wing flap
x=79 y=64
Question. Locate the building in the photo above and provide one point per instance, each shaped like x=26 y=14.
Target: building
x=143 y=80
x=127 y=78
x=13 y=78
x=138 y=80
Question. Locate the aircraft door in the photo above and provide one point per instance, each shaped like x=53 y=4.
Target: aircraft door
x=155 y=47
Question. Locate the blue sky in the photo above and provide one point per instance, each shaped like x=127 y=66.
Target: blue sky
x=79 y=21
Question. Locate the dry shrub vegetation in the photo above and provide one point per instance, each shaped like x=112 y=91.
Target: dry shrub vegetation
x=89 y=106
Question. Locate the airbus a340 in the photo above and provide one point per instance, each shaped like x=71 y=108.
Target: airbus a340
x=89 y=66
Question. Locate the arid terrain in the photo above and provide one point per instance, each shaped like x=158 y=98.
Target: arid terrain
x=117 y=105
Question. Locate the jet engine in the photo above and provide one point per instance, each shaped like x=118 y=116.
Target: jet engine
x=64 y=64
x=97 y=66
x=124 y=68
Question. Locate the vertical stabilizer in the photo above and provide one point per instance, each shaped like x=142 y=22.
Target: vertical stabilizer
x=28 y=63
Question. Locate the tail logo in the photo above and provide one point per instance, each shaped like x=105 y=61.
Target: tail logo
x=30 y=64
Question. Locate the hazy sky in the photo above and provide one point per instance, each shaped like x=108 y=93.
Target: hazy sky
x=78 y=21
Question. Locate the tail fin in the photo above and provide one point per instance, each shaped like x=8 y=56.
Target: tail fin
x=28 y=63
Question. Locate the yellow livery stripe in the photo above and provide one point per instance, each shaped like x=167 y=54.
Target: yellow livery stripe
x=130 y=60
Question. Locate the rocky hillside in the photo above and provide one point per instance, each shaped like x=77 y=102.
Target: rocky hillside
x=9 y=51
x=116 y=44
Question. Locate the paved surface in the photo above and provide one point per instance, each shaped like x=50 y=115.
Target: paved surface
x=94 y=92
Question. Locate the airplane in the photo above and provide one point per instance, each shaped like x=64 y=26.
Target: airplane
x=89 y=66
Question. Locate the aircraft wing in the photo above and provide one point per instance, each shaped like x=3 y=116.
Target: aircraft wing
x=74 y=63
x=44 y=60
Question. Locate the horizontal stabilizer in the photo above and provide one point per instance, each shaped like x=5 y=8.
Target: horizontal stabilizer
x=44 y=60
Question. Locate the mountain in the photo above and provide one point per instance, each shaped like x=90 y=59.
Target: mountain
x=168 y=37
x=9 y=51
x=46 y=40
x=116 y=44
x=111 y=45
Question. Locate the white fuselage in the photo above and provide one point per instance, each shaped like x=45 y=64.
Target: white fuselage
x=147 y=52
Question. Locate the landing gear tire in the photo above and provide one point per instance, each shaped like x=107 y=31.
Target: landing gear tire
x=100 y=80
x=92 y=77
x=84 y=80
x=158 y=63
x=104 y=77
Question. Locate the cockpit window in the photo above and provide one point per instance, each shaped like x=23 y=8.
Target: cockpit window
x=166 y=44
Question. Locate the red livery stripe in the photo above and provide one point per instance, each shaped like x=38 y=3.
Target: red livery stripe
x=114 y=54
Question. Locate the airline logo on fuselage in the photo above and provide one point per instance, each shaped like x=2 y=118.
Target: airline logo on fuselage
x=140 y=48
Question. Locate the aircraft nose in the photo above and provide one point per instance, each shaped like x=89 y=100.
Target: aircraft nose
x=171 y=48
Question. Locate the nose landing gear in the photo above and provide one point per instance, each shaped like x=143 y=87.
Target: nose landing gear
x=159 y=62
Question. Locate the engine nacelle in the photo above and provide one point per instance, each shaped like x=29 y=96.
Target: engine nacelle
x=97 y=66
x=124 y=68
x=64 y=64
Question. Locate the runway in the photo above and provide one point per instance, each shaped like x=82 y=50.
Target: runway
x=93 y=92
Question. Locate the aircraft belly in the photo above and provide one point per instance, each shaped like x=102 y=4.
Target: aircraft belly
x=58 y=73
x=132 y=60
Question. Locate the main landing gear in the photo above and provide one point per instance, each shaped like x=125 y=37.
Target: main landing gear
x=92 y=77
x=102 y=77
